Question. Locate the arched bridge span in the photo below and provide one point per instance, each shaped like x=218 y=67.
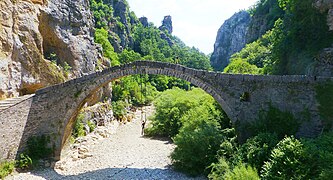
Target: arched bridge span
x=242 y=97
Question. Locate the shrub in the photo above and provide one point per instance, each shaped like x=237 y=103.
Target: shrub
x=119 y=109
x=239 y=66
x=78 y=129
x=320 y=160
x=219 y=169
x=24 y=161
x=101 y=37
x=325 y=100
x=6 y=168
x=38 y=148
x=257 y=149
x=197 y=144
x=175 y=103
x=91 y=126
x=287 y=161
x=275 y=121
x=242 y=172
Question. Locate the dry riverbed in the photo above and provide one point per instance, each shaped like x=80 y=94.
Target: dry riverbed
x=116 y=151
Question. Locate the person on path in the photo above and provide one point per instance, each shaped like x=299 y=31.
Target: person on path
x=143 y=123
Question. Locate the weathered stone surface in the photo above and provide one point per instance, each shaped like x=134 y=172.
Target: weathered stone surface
x=323 y=65
x=121 y=37
x=67 y=30
x=12 y=124
x=144 y=21
x=54 y=109
x=31 y=30
x=230 y=39
x=167 y=24
x=323 y=6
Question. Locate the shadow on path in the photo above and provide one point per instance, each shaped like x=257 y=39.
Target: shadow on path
x=118 y=173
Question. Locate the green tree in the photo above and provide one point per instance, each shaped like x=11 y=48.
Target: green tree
x=287 y=161
x=101 y=37
x=238 y=66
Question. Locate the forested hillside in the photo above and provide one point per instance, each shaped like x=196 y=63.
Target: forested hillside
x=286 y=37
x=126 y=38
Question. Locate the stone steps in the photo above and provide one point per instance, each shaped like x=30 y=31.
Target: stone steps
x=5 y=104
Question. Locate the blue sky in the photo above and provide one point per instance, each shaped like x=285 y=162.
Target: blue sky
x=195 y=22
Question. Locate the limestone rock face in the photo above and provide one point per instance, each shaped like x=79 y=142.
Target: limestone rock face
x=120 y=26
x=67 y=30
x=326 y=5
x=167 y=24
x=31 y=30
x=144 y=21
x=231 y=38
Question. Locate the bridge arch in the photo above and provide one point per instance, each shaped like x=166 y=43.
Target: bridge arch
x=53 y=109
x=75 y=93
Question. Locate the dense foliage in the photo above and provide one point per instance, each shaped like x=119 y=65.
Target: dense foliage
x=195 y=122
x=298 y=36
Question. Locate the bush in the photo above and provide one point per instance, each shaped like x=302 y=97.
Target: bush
x=78 y=129
x=239 y=66
x=287 y=161
x=275 y=121
x=242 y=172
x=24 y=161
x=119 y=109
x=101 y=37
x=38 y=148
x=91 y=126
x=194 y=121
x=320 y=160
x=219 y=169
x=197 y=142
x=6 y=168
x=257 y=150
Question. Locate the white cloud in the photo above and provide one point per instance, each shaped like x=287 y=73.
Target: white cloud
x=196 y=22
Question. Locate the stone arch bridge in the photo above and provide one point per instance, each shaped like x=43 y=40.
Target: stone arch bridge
x=52 y=110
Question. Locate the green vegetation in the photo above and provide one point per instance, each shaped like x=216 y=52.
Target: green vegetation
x=24 y=161
x=325 y=98
x=242 y=172
x=206 y=143
x=194 y=121
x=101 y=37
x=238 y=66
x=275 y=121
x=6 y=168
x=78 y=130
x=38 y=147
x=300 y=32
x=287 y=161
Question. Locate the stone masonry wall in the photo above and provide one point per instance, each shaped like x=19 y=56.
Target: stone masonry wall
x=12 y=124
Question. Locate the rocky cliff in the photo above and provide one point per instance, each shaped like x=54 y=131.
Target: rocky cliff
x=167 y=24
x=231 y=38
x=120 y=24
x=34 y=32
x=323 y=65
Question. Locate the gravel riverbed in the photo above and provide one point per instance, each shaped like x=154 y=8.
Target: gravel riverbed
x=116 y=151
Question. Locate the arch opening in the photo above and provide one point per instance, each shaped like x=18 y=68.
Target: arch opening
x=98 y=80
